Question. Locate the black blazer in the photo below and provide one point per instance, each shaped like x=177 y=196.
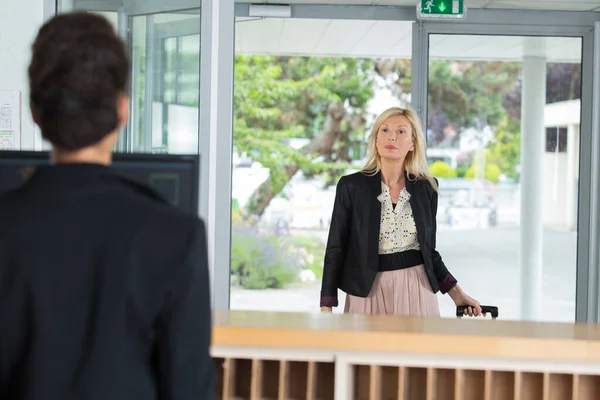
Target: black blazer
x=104 y=291
x=352 y=254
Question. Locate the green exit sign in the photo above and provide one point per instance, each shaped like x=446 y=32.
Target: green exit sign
x=441 y=9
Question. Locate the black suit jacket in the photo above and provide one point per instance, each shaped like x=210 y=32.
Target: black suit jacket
x=352 y=253
x=104 y=291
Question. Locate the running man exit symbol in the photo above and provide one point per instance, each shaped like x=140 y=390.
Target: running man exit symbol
x=455 y=9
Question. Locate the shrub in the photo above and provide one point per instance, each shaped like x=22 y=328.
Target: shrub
x=440 y=169
x=461 y=171
x=492 y=173
x=262 y=259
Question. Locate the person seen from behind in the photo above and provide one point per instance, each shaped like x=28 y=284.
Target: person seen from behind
x=104 y=290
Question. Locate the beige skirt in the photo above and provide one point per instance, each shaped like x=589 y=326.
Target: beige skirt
x=404 y=292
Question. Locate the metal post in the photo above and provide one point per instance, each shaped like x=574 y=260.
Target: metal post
x=148 y=85
x=216 y=139
x=572 y=172
x=593 y=283
x=420 y=72
x=123 y=28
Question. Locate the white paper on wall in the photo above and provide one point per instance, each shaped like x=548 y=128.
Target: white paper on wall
x=10 y=119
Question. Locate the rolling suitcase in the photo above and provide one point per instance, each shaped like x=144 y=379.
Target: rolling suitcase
x=492 y=310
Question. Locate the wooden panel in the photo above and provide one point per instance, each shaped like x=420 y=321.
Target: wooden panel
x=229 y=378
x=445 y=382
x=270 y=380
x=431 y=384
x=256 y=380
x=375 y=382
x=560 y=387
x=487 y=385
x=518 y=385
x=458 y=384
x=503 y=385
x=325 y=381
x=473 y=385
x=219 y=371
x=402 y=385
x=532 y=386
x=284 y=381
x=311 y=382
x=389 y=383
x=297 y=379
x=416 y=384
x=588 y=387
x=362 y=381
x=243 y=378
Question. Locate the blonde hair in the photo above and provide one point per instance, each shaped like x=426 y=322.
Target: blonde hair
x=415 y=163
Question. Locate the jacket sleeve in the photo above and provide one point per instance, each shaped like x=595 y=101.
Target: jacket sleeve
x=445 y=279
x=185 y=368
x=337 y=245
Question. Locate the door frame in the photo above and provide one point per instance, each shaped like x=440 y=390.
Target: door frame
x=509 y=23
x=542 y=25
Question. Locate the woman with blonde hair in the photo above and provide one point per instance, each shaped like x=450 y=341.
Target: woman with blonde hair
x=381 y=249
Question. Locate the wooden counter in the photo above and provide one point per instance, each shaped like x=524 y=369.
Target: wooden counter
x=265 y=355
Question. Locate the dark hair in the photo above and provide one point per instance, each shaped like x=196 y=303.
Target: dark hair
x=79 y=68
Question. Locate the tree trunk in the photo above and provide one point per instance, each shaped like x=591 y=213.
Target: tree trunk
x=320 y=145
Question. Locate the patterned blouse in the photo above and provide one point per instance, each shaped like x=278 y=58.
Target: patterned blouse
x=398 y=231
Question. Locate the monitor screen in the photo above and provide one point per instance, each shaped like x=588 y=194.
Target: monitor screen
x=174 y=177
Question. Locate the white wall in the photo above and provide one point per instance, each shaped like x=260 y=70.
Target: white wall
x=19 y=23
x=560 y=192
x=555 y=192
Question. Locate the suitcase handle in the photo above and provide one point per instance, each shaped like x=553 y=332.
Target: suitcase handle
x=493 y=310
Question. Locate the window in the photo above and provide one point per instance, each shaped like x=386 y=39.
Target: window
x=556 y=140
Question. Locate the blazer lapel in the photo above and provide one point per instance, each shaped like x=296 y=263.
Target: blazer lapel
x=374 y=218
x=415 y=195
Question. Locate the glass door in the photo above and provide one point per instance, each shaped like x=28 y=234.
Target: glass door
x=164 y=43
x=304 y=102
x=165 y=56
x=505 y=119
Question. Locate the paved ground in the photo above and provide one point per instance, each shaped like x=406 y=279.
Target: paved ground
x=486 y=263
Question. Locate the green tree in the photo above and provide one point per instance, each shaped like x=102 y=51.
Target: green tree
x=279 y=98
x=505 y=149
x=460 y=94
x=440 y=169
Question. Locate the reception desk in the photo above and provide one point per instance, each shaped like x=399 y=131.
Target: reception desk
x=266 y=355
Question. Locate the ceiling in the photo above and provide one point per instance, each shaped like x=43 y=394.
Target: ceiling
x=387 y=39
x=556 y=5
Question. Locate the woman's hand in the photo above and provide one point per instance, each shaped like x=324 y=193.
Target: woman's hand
x=460 y=298
x=326 y=309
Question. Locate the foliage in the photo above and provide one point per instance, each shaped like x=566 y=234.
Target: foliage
x=263 y=258
x=505 y=149
x=315 y=250
x=492 y=172
x=440 y=169
x=467 y=94
x=461 y=94
x=461 y=171
x=260 y=260
x=280 y=98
